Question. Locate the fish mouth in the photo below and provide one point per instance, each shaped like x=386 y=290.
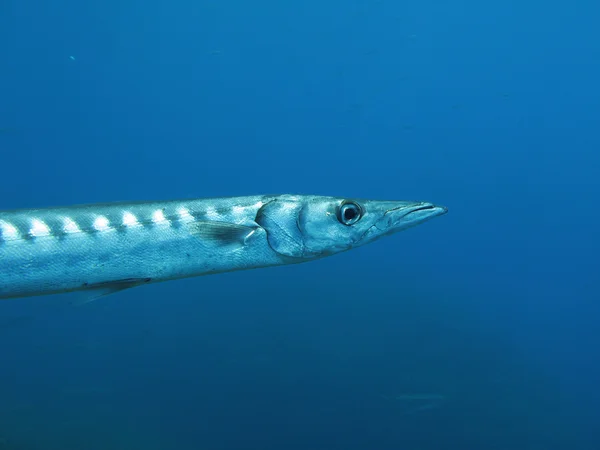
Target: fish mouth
x=428 y=210
x=407 y=216
x=399 y=216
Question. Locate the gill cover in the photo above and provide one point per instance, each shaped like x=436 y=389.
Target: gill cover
x=279 y=218
x=310 y=227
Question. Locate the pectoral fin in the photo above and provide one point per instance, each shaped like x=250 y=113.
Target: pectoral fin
x=222 y=233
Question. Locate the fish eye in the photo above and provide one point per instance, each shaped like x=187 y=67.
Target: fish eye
x=349 y=213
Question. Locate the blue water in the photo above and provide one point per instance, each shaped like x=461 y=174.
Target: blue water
x=476 y=331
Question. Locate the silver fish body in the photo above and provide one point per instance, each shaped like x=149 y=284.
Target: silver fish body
x=105 y=248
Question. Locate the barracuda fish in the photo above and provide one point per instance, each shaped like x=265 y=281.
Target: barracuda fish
x=106 y=248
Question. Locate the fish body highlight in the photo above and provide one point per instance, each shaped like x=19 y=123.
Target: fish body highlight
x=105 y=248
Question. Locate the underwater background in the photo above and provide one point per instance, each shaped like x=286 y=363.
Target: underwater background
x=478 y=330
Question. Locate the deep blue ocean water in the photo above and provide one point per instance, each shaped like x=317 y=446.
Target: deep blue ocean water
x=476 y=331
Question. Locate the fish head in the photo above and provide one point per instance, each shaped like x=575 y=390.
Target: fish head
x=311 y=227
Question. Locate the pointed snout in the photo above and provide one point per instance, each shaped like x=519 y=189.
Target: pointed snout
x=425 y=210
x=405 y=215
